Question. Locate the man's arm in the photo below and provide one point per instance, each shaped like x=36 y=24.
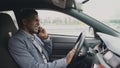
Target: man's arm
x=48 y=45
x=42 y=35
x=22 y=56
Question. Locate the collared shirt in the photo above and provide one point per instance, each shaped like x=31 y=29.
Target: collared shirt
x=37 y=42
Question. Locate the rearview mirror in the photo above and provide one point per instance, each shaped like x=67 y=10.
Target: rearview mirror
x=63 y=3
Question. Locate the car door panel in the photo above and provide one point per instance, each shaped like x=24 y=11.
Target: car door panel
x=63 y=44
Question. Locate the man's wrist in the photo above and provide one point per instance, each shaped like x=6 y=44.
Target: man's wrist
x=67 y=61
x=43 y=37
x=47 y=40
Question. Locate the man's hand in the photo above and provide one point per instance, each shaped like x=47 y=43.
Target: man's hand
x=70 y=56
x=42 y=34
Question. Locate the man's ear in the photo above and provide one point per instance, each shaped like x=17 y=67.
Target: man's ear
x=24 y=21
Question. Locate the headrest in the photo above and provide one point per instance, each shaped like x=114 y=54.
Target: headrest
x=7 y=28
x=6 y=24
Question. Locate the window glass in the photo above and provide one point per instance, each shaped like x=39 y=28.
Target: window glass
x=106 y=11
x=59 y=23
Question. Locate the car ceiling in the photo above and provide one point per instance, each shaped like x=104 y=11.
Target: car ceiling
x=16 y=4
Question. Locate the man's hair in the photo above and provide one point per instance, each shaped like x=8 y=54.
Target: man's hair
x=26 y=14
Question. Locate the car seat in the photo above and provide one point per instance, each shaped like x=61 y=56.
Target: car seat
x=7 y=28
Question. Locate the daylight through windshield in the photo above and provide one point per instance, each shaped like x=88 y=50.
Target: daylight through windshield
x=106 y=11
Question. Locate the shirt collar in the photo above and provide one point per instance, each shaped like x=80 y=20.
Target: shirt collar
x=30 y=36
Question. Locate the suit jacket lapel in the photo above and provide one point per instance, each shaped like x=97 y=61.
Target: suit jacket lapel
x=42 y=46
x=45 y=53
x=43 y=49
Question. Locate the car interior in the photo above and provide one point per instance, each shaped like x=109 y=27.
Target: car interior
x=95 y=49
x=7 y=29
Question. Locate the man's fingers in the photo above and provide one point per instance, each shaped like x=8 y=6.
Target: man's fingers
x=74 y=50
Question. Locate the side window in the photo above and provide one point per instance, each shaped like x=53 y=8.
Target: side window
x=59 y=23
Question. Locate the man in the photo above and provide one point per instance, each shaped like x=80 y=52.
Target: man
x=31 y=46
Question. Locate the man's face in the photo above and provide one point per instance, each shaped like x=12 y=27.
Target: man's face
x=32 y=25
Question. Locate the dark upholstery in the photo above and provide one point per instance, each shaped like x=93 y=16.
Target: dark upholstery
x=6 y=26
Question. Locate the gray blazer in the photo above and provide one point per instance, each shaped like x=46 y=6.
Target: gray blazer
x=27 y=55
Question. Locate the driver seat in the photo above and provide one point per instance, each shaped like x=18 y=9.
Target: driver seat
x=7 y=28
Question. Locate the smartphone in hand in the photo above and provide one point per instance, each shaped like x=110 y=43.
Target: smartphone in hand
x=39 y=30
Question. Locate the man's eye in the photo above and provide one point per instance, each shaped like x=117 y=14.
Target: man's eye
x=37 y=20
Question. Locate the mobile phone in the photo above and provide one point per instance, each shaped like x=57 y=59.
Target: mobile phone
x=39 y=30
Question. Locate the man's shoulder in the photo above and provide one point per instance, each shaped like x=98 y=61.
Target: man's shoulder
x=18 y=35
x=17 y=40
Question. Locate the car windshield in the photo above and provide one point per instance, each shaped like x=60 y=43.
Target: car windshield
x=106 y=11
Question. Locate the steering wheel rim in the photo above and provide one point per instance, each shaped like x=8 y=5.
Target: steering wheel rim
x=78 y=45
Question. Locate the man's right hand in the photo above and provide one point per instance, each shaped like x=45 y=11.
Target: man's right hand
x=42 y=34
x=70 y=56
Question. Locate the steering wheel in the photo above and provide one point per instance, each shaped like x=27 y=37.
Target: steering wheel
x=78 y=46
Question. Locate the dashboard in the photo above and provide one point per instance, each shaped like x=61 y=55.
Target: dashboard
x=108 y=52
